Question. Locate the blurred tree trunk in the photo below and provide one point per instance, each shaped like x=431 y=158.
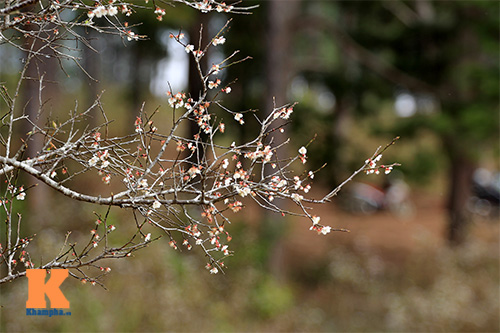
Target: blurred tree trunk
x=195 y=86
x=92 y=65
x=139 y=81
x=461 y=149
x=279 y=32
x=34 y=91
x=460 y=186
x=280 y=16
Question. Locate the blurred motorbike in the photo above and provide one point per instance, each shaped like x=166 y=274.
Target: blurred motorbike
x=394 y=196
x=485 y=198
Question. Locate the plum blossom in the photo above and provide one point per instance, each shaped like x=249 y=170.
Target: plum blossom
x=193 y=171
x=160 y=12
x=177 y=100
x=326 y=230
x=297 y=197
x=104 y=155
x=131 y=36
x=112 y=10
x=243 y=191
x=21 y=195
x=236 y=206
x=239 y=118
x=100 y=11
x=212 y=84
x=372 y=166
x=215 y=69
x=106 y=179
x=321 y=230
x=93 y=161
x=219 y=41
x=284 y=113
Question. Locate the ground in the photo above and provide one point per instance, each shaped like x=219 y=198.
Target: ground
x=393 y=237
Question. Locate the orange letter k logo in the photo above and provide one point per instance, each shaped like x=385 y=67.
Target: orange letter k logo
x=37 y=288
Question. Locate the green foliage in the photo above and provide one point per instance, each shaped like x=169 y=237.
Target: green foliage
x=271 y=298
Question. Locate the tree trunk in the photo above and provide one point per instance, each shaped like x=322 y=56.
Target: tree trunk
x=92 y=65
x=460 y=187
x=280 y=15
x=195 y=86
x=34 y=90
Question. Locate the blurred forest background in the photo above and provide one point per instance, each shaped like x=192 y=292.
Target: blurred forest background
x=423 y=252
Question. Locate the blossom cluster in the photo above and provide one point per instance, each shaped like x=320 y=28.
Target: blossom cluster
x=188 y=186
x=372 y=166
x=102 y=157
x=207 y=6
x=110 y=10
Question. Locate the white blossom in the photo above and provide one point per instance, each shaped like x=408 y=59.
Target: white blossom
x=93 y=161
x=326 y=230
x=112 y=10
x=219 y=41
x=297 y=197
x=239 y=117
x=100 y=11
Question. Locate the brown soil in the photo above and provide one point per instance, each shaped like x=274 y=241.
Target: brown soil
x=384 y=233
